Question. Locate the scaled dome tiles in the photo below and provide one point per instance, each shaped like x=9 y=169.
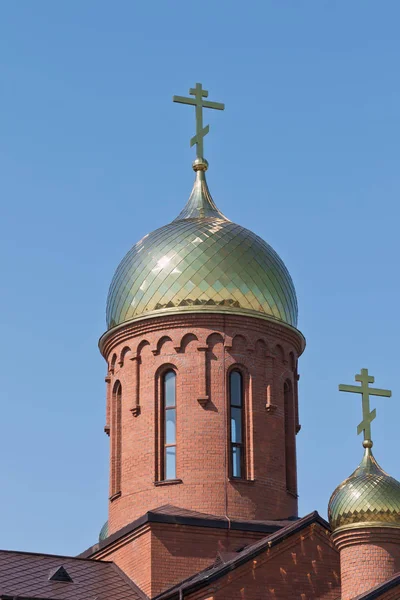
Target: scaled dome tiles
x=368 y=498
x=201 y=261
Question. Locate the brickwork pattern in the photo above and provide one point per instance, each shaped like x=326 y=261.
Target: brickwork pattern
x=179 y=552
x=304 y=567
x=202 y=348
x=368 y=557
x=158 y=556
x=133 y=556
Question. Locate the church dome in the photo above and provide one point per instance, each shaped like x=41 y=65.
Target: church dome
x=103 y=532
x=201 y=262
x=368 y=498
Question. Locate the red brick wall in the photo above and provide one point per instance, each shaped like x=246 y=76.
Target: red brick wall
x=304 y=567
x=202 y=348
x=368 y=557
x=133 y=556
x=160 y=555
x=179 y=552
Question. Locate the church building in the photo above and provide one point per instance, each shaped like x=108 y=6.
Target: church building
x=202 y=352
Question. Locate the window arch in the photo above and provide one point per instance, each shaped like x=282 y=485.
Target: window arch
x=290 y=438
x=236 y=425
x=116 y=440
x=112 y=364
x=124 y=352
x=168 y=390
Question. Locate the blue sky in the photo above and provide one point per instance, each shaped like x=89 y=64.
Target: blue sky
x=94 y=154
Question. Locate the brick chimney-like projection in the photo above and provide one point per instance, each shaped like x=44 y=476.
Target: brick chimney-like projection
x=364 y=512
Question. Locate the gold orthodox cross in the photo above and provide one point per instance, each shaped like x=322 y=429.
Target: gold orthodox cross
x=199 y=102
x=366 y=391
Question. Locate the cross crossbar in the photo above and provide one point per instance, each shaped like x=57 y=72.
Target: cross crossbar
x=357 y=389
x=199 y=102
x=368 y=415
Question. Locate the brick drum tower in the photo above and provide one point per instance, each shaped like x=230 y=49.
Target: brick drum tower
x=202 y=371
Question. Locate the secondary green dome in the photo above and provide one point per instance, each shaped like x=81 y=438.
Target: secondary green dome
x=201 y=262
x=103 y=532
x=368 y=498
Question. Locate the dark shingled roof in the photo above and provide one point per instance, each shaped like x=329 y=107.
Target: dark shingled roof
x=223 y=567
x=26 y=576
x=376 y=592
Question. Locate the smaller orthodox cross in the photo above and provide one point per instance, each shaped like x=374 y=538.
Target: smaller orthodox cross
x=366 y=391
x=199 y=103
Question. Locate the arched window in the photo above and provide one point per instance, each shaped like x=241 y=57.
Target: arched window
x=236 y=429
x=290 y=438
x=116 y=440
x=169 y=425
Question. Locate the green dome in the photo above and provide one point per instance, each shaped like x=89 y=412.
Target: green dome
x=368 y=498
x=201 y=262
x=103 y=532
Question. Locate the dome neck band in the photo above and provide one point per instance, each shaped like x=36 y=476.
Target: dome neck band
x=200 y=204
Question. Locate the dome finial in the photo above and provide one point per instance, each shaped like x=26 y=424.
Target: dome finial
x=199 y=103
x=200 y=204
x=368 y=415
x=200 y=164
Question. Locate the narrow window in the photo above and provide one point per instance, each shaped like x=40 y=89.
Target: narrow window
x=169 y=425
x=236 y=425
x=116 y=440
x=290 y=439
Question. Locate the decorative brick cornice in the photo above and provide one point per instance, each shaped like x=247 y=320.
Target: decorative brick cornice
x=218 y=321
x=366 y=535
